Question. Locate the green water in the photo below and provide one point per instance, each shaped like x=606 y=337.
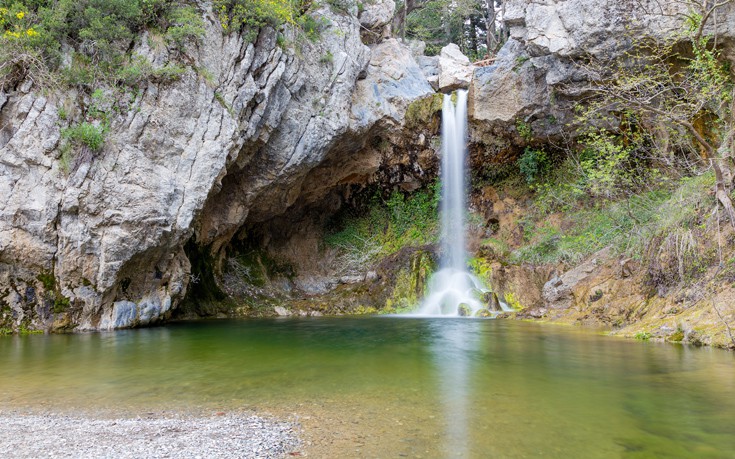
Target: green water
x=401 y=386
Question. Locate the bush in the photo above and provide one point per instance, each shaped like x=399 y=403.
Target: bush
x=533 y=163
x=241 y=15
x=101 y=33
x=86 y=134
x=385 y=226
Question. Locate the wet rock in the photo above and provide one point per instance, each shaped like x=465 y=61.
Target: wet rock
x=281 y=311
x=464 y=310
x=483 y=313
x=492 y=301
x=532 y=313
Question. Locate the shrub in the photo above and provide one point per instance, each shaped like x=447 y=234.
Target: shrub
x=533 y=163
x=239 y=15
x=385 y=226
x=86 y=134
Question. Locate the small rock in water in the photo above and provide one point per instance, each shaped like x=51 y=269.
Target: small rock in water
x=483 y=313
x=464 y=310
x=281 y=311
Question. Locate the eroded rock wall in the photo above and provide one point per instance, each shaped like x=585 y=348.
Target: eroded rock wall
x=537 y=80
x=241 y=136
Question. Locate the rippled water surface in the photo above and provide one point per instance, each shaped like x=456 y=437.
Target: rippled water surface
x=390 y=387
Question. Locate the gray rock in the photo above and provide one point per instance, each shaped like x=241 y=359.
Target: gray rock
x=455 y=70
x=377 y=13
x=536 y=78
x=123 y=314
x=196 y=158
x=281 y=311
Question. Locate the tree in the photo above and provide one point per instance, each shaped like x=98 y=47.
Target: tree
x=474 y=25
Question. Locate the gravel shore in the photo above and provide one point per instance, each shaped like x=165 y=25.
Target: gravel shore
x=223 y=436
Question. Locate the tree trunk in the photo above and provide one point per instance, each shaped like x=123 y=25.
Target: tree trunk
x=491 y=38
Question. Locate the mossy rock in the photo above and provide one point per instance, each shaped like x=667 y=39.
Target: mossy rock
x=483 y=313
x=464 y=310
x=419 y=112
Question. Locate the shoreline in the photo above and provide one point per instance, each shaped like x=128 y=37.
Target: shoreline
x=33 y=433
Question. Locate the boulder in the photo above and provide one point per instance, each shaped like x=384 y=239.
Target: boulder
x=455 y=69
x=464 y=310
x=377 y=13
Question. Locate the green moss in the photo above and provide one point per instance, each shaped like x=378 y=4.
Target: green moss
x=47 y=279
x=676 y=337
x=61 y=304
x=410 y=284
x=28 y=331
x=421 y=111
x=512 y=300
x=482 y=269
x=643 y=336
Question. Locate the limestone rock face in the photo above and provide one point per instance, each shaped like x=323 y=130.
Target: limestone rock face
x=97 y=241
x=377 y=13
x=455 y=69
x=536 y=79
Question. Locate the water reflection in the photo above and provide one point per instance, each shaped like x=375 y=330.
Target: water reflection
x=415 y=386
x=455 y=347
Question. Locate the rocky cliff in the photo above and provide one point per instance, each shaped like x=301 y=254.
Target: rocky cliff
x=527 y=99
x=106 y=239
x=537 y=78
x=257 y=141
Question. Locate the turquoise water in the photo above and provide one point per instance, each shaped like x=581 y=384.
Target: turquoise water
x=395 y=387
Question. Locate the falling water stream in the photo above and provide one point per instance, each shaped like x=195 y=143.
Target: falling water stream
x=453 y=288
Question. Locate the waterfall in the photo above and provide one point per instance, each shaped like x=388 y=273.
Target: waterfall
x=453 y=287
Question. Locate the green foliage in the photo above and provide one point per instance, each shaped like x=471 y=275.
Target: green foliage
x=524 y=130
x=327 y=58
x=186 y=25
x=86 y=134
x=100 y=34
x=239 y=15
x=138 y=69
x=61 y=304
x=312 y=26
x=47 y=280
x=627 y=225
x=643 y=336
x=606 y=165
x=533 y=163
x=340 y=6
x=440 y=22
x=385 y=226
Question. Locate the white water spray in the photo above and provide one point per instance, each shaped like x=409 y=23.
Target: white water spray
x=453 y=288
